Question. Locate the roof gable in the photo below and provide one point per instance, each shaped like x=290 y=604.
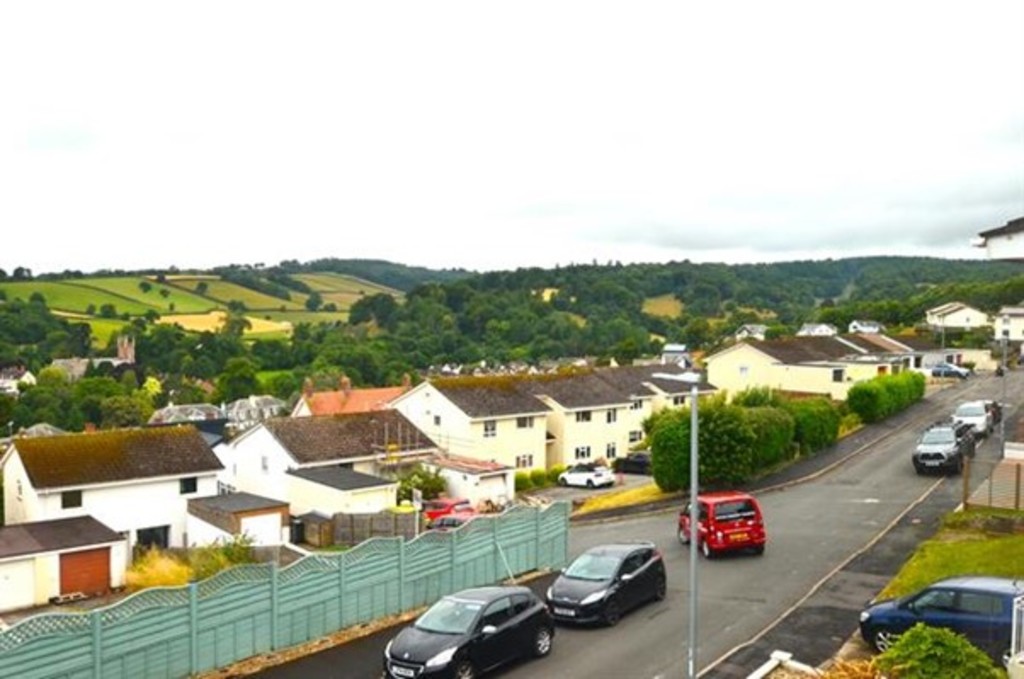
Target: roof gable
x=116 y=455
x=326 y=438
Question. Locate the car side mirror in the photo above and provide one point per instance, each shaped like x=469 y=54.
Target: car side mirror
x=488 y=630
x=626 y=577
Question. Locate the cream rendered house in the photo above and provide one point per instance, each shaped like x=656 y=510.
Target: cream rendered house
x=956 y=315
x=486 y=418
x=1005 y=242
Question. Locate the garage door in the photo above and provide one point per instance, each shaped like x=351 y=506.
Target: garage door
x=17 y=584
x=87 y=572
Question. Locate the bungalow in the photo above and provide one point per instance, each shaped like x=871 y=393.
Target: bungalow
x=756 y=331
x=817 y=330
x=136 y=481
x=222 y=518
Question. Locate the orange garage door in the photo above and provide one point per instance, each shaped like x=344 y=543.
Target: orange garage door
x=87 y=572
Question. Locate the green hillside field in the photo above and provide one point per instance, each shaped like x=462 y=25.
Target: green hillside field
x=224 y=292
x=68 y=296
x=185 y=302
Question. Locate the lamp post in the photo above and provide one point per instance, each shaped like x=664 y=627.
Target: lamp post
x=693 y=379
x=1002 y=379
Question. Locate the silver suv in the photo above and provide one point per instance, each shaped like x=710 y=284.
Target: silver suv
x=943 y=447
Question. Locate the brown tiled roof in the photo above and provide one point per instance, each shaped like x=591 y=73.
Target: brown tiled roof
x=490 y=397
x=352 y=400
x=116 y=455
x=237 y=502
x=52 y=536
x=794 y=350
x=335 y=437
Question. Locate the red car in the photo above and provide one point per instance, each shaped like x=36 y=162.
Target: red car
x=453 y=520
x=442 y=506
x=729 y=521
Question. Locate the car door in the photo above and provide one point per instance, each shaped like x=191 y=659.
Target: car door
x=497 y=647
x=936 y=607
x=630 y=578
x=978 y=619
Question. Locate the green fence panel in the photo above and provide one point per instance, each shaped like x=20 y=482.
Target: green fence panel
x=234 y=623
x=426 y=569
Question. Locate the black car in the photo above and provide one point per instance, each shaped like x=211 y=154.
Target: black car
x=634 y=463
x=470 y=632
x=604 y=582
x=980 y=608
x=943 y=447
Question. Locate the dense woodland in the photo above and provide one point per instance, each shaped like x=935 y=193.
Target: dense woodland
x=459 y=317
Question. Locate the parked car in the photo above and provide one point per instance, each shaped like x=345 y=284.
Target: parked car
x=950 y=370
x=634 y=463
x=604 y=582
x=433 y=509
x=586 y=475
x=980 y=608
x=471 y=632
x=729 y=521
x=976 y=414
x=943 y=447
x=453 y=520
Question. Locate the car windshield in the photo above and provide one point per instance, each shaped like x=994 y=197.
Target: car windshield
x=593 y=567
x=934 y=436
x=971 y=410
x=449 y=616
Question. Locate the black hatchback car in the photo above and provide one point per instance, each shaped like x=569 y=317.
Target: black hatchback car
x=470 y=632
x=980 y=608
x=606 y=581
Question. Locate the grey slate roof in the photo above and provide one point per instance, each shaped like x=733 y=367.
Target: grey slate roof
x=55 y=535
x=489 y=397
x=581 y=391
x=340 y=478
x=793 y=350
x=324 y=438
x=237 y=502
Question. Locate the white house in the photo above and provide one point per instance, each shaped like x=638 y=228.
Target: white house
x=60 y=559
x=956 y=315
x=1005 y=242
x=756 y=331
x=260 y=460
x=222 y=518
x=866 y=327
x=13 y=379
x=135 y=481
x=333 y=490
x=475 y=480
x=817 y=330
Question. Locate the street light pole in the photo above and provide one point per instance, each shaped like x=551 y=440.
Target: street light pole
x=1002 y=402
x=693 y=379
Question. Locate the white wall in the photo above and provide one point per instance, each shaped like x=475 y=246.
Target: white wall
x=244 y=458
x=307 y=496
x=20 y=500
x=201 y=533
x=500 y=487
x=17 y=583
x=33 y=579
x=264 y=529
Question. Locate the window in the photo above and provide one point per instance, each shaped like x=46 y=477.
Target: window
x=609 y=451
x=157 y=536
x=678 y=400
x=521 y=603
x=490 y=429
x=635 y=435
x=583 y=416
x=70 y=499
x=636 y=405
x=524 y=422
x=611 y=416
x=837 y=374
x=524 y=461
x=977 y=603
x=498 y=613
x=936 y=599
x=437 y=420
x=744 y=371
x=187 y=485
x=632 y=563
x=582 y=452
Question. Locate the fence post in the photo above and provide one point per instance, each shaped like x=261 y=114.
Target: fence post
x=341 y=591
x=1016 y=489
x=401 y=575
x=97 y=644
x=193 y=626
x=274 y=607
x=966 y=473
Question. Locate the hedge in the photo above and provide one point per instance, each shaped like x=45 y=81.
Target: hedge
x=885 y=395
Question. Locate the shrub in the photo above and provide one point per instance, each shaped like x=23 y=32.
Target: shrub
x=554 y=473
x=539 y=478
x=924 y=652
x=523 y=481
x=430 y=483
x=816 y=423
x=756 y=397
x=156 y=568
x=885 y=395
x=773 y=429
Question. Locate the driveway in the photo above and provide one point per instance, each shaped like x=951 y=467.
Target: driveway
x=567 y=494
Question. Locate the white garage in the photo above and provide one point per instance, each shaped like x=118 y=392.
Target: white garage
x=478 y=481
x=17 y=583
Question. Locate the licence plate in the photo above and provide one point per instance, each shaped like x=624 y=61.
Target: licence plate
x=402 y=671
x=932 y=463
x=567 y=612
x=738 y=537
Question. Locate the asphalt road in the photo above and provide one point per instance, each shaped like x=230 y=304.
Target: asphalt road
x=833 y=543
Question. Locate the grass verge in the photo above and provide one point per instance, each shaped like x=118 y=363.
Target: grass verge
x=624 y=498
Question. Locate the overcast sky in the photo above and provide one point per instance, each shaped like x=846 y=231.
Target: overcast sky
x=495 y=135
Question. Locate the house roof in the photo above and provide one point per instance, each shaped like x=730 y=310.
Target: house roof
x=51 y=536
x=490 y=396
x=340 y=478
x=947 y=308
x=917 y=343
x=581 y=391
x=116 y=455
x=237 y=502
x=352 y=400
x=636 y=378
x=336 y=437
x=1011 y=227
x=792 y=350
x=467 y=465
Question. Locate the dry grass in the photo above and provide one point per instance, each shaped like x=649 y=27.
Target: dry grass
x=157 y=569
x=624 y=498
x=213 y=321
x=666 y=306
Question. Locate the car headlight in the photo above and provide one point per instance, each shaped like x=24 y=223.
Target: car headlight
x=443 y=658
x=591 y=598
x=864 y=615
x=551 y=591
x=387 y=649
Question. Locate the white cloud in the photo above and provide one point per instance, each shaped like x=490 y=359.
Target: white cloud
x=488 y=135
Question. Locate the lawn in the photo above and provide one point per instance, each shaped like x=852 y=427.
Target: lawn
x=628 y=497
x=666 y=306
x=312 y=317
x=969 y=543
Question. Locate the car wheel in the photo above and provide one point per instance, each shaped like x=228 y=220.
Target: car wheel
x=883 y=639
x=542 y=641
x=706 y=550
x=659 y=590
x=590 y=483
x=684 y=536
x=612 y=613
x=562 y=482
x=465 y=670
x=918 y=469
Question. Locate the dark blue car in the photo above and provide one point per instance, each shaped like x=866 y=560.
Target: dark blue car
x=979 y=608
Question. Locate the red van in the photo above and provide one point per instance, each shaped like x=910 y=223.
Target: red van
x=729 y=521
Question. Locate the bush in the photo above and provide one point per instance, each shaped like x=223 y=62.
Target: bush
x=885 y=395
x=924 y=652
x=816 y=423
x=774 y=429
x=539 y=478
x=156 y=568
x=523 y=481
x=554 y=473
x=430 y=483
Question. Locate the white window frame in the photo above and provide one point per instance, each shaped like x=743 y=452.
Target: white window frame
x=612 y=416
x=583 y=416
x=610 y=451
x=582 y=453
x=525 y=422
x=490 y=429
x=635 y=436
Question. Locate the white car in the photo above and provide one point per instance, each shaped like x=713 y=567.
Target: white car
x=976 y=414
x=587 y=476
